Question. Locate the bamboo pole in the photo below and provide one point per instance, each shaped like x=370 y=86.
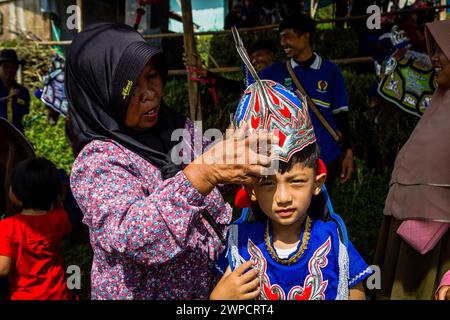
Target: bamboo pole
x=54 y=43
x=314 y=5
x=183 y=72
x=189 y=46
x=80 y=16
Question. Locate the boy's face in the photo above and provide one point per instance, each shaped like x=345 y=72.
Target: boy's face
x=285 y=198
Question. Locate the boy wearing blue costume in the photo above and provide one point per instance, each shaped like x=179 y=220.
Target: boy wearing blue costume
x=288 y=253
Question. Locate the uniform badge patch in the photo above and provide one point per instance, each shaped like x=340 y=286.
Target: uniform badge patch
x=322 y=86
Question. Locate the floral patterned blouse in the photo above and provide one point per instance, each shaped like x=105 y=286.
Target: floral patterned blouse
x=149 y=238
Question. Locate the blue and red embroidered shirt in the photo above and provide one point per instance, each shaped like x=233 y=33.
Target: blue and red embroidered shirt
x=316 y=275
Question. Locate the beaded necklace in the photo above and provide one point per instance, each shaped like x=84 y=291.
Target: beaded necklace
x=298 y=254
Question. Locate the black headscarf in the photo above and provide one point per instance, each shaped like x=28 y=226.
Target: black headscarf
x=103 y=65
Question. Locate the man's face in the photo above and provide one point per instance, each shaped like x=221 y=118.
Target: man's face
x=294 y=44
x=261 y=59
x=285 y=198
x=8 y=70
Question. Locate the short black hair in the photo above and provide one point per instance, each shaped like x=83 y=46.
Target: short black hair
x=263 y=44
x=35 y=182
x=301 y=23
x=308 y=156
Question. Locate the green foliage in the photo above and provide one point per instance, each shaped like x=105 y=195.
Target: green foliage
x=176 y=96
x=342 y=46
x=49 y=141
x=325 y=13
x=9 y=44
x=223 y=50
x=357 y=88
x=360 y=203
x=378 y=133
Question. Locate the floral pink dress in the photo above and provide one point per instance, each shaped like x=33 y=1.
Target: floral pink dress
x=149 y=238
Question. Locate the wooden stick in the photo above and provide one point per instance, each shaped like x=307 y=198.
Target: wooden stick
x=189 y=46
x=314 y=5
x=183 y=72
x=80 y=18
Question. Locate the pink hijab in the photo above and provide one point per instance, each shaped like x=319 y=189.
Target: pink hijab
x=420 y=182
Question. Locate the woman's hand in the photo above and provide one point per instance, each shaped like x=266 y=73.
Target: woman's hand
x=232 y=161
x=237 y=285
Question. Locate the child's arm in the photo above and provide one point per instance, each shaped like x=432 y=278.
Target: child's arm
x=5 y=266
x=443 y=292
x=6 y=248
x=357 y=292
x=237 y=285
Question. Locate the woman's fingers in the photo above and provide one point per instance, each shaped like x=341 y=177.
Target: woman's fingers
x=256 y=137
x=256 y=171
x=241 y=132
x=262 y=139
x=243 y=159
x=265 y=161
x=247 y=148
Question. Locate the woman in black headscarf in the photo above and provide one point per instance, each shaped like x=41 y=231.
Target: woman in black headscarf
x=155 y=229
